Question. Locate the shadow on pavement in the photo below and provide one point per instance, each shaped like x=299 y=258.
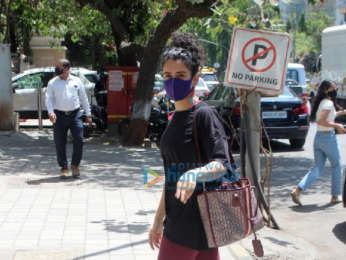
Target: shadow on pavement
x=98 y=253
x=340 y=231
x=113 y=225
x=50 y=180
x=33 y=154
x=311 y=207
x=278 y=242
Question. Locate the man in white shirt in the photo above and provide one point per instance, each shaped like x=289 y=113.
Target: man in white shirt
x=64 y=97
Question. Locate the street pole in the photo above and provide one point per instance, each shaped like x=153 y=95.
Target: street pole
x=253 y=104
x=251 y=127
x=39 y=105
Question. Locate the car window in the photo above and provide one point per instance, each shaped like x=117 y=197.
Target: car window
x=216 y=93
x=47 y=76
x=201 y=83
x=29 y=81
x=81 y=77
x=92 y=78
x=225 y=93
x=209 y=77
x=292 y=74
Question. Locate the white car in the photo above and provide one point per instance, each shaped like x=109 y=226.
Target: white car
x=296 y=72
x=24 y=85
x=211 y=79
x=201 y=88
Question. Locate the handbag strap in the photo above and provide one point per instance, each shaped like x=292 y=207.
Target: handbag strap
x=195 y=134
x=200 y=160
x=196 y=138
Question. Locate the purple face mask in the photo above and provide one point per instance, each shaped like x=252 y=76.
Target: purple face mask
x=178 y=89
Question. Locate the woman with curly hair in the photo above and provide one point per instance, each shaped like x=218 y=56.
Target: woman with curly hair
x=325 y=142
x=178 y=230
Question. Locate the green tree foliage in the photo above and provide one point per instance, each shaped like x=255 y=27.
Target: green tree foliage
x=216 y=32
x=84 y=27
x=302 y=24
x=17 y=20
x=308 y=42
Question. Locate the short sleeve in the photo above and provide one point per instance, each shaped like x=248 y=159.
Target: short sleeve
x=327 y=104
x=211 y=135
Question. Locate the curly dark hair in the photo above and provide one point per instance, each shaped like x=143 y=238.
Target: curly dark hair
x=186 y=47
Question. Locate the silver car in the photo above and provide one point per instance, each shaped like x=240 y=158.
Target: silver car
x=25 y=93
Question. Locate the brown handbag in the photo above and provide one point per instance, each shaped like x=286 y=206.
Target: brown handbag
x=229 y=213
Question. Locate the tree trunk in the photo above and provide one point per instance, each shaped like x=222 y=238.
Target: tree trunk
x=144 y=92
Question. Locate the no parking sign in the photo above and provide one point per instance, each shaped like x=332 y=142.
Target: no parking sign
x=257 y=59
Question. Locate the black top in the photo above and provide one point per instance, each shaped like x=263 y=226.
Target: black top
x=183 y=224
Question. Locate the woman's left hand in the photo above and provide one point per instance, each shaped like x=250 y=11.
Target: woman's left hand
x=186 y=186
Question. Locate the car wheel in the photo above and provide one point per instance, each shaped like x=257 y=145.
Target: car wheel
x=297 y=143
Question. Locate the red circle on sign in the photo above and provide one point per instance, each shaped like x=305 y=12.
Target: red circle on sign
x=271 y=47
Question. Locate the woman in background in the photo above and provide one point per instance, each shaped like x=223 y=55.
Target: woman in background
x=325 y=142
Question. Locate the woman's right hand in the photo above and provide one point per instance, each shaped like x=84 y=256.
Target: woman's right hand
x=340 y=129
x=155 y=235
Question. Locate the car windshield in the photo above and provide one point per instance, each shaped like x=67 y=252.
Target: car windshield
x=209 y=77
x=287 y=92
x=92 y=78
x=216 y=93
x=201 y=83
x=292 y=74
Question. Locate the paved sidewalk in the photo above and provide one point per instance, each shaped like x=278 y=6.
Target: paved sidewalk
x=106 y=214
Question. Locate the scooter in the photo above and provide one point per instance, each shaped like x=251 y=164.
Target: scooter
x=161 y=111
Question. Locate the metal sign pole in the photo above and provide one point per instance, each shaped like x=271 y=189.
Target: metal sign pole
x=39 y=105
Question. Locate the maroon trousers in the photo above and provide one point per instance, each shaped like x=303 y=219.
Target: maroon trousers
x=172 y=251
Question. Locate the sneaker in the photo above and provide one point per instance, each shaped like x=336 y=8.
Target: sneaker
x=75 y=171
x=63 y=173
x=295 y=198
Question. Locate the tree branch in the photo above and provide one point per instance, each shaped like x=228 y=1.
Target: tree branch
x=120 y=32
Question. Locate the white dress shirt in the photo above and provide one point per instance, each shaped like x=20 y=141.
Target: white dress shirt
x=66 y=95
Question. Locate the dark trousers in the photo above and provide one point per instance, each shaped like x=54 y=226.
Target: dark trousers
x=72 y=121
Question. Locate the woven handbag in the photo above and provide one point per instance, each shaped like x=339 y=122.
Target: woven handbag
x=229 y=213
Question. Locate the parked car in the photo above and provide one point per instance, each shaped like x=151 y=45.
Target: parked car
x=284 y=117
x=201 y=88
x=158 y=84
x=210 y=79
x=294 y=86
x=25 y=85
x=296 y=72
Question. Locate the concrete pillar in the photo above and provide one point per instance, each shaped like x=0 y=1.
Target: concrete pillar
x=6 y=105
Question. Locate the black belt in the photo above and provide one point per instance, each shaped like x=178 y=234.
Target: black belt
x=67 y=113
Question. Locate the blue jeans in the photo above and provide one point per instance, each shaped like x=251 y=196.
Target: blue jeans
x=325 y=146
x=64 y=122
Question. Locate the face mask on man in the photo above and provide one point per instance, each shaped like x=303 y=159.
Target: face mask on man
x=59 y=71
x=178 y=89
x=332 y=93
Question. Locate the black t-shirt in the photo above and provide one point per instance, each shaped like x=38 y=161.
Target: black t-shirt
x=183 y=224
